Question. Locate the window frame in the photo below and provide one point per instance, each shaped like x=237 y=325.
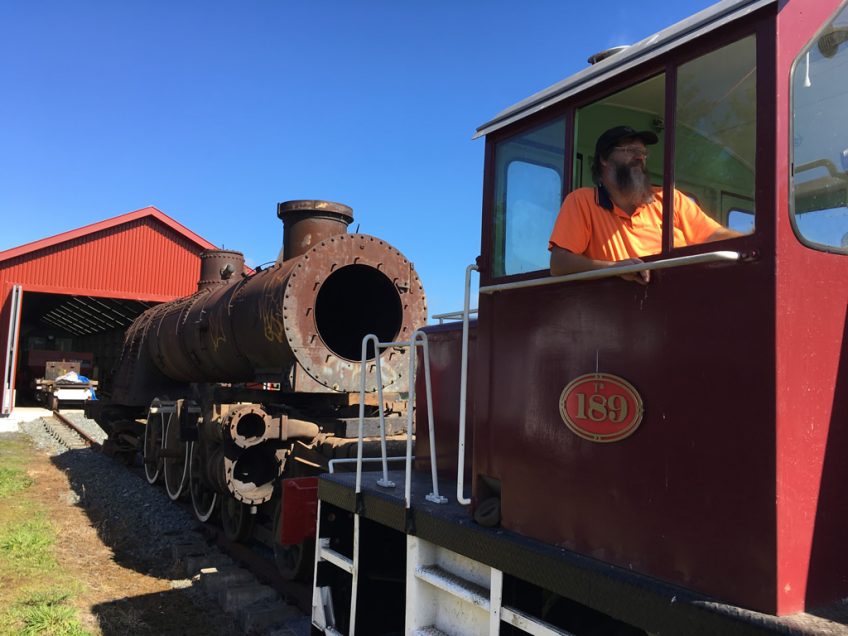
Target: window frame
x=506 y=167
x=763 y=28
x=819 y=247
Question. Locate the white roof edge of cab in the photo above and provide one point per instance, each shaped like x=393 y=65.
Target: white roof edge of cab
x=653 y=46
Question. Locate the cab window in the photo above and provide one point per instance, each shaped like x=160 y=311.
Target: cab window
x=528 y=194
x=820 y=145
x=640 y=107
x=715 y=133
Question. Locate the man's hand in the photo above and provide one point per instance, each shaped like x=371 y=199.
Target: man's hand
x=643 y=277
x=565 y=262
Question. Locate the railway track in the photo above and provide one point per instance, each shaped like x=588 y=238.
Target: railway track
x=68 y=434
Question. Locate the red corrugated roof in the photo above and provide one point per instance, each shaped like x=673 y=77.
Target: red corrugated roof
x=104 y=225
x=142 y=255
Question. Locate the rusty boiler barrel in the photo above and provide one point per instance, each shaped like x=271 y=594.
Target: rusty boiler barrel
x=300 y=321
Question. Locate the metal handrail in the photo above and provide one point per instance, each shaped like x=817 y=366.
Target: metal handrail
x=419 y=339
x=618 y=270
x=365 y=460
x=463 y=390
x=453 y=315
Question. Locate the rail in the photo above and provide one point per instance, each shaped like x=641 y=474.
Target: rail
x=463 y=390
x=418 y=339
x=365 y=460
x=453 y=315
x=618 y=270
x=85 y=436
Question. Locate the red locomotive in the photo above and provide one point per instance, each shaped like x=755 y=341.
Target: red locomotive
x=666 y=458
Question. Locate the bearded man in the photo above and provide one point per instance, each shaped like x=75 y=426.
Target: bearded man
x=620 y=220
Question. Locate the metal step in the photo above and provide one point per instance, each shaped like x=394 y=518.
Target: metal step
x=454 y=585
x=479 y=596
x=337 y=559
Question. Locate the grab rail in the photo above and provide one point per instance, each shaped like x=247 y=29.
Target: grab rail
x=453 y=315
x=419 y=339
x=618 y=270
x=463 y=390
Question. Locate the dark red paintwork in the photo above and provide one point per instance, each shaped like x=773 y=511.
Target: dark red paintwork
x=732 y=485
x=662 y=500
x=811 y=374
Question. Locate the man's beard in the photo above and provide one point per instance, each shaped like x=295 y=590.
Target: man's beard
x=633 y=180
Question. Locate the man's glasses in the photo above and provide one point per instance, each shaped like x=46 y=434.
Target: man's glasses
x=633 y=150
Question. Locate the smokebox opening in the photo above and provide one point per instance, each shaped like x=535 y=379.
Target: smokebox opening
x=354 y=301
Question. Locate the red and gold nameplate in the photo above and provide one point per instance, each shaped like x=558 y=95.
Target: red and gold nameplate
x=601 y=407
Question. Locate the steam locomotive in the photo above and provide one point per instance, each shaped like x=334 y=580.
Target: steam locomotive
x=248 y=381
x=663 y=459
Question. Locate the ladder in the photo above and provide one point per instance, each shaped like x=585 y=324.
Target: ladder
x=448 y=594
x=322 y=604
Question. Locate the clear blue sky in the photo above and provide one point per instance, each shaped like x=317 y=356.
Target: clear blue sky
x=214 y=111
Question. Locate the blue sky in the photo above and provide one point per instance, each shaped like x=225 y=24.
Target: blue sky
x=214 y=111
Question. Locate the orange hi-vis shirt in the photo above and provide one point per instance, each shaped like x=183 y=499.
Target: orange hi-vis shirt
x=585 y=227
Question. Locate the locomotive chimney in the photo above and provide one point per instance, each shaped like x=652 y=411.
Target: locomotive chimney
x=308 y=222
x=219 y=267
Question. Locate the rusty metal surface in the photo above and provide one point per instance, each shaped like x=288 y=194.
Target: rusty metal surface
x=218 y=267
x=307 y=222
x=300 y=322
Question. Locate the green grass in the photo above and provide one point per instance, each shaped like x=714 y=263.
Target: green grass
x=27 y=545
x=45 y=612
x=12 y=481
x=35 y=593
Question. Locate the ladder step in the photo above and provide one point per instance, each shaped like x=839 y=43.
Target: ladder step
x=530 y=624
x=429 y=631
x=337 y=559
x=455 y=585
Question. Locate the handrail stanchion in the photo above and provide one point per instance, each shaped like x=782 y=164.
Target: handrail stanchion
x=463 y=391
x=363 y=372
x=434 y=496
x=409 y=409
x=385 y=482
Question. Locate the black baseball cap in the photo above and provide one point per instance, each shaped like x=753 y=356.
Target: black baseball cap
x=612 y=136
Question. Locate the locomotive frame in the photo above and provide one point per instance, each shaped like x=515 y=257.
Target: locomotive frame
x=722 y=512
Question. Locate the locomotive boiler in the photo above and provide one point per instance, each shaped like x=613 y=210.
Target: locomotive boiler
x=249 y=379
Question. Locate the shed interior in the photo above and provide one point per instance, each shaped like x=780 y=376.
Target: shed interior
x=62 y=327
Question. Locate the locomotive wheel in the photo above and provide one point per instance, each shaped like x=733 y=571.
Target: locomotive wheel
x=152 y=445
x=236 y=519
x=294 y=562
x=203 y=499
x=175 y=464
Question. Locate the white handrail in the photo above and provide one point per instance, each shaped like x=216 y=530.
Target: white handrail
x=331 y=466
x=453 y=315
x=463 y=391
x=618 y=270
x=419 y=339
x=434 y=496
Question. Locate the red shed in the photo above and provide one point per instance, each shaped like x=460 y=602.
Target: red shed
x=71 y=296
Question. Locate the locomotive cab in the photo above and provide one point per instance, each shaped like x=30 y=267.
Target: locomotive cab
x=726 y=482
x=660 y=458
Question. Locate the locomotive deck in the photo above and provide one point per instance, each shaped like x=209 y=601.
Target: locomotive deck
x=634 y=599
